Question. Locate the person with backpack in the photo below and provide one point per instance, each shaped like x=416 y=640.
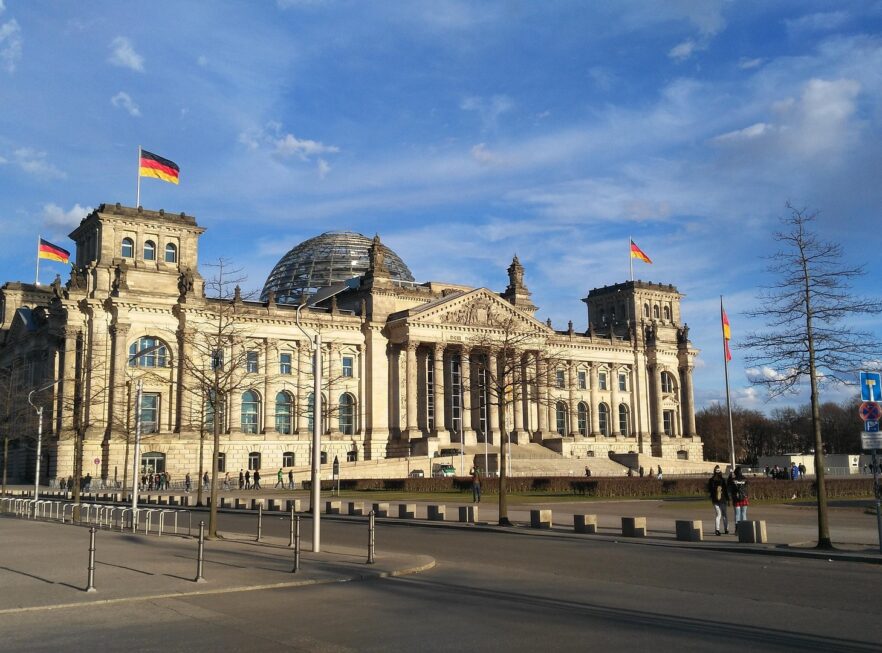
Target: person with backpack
x=739 y=495
x=719 y=496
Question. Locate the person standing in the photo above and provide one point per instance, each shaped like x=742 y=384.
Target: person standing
x=256 y=479
x=241 y=479
x=227 y=481
x=290 y=479
x=248 y=480
x=660 y=475
x=719 y=496
x=279 y=482
x=739 y=494
x=205 y=481
x=476 y=486
x=187 y=482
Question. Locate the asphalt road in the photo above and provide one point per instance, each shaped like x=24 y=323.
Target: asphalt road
x=493 y=591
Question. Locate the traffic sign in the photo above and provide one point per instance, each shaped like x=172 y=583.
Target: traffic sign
x=871 y=440
x=97 y=461
x=870 y=410
x=871 y=386
x=871 y=426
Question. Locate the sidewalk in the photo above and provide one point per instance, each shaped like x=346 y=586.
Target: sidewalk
x=44 y=566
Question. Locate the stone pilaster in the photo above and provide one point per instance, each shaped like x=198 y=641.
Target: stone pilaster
x=412 y=431
x=469 y=436
x=494 y=403
x=595 y=401
x=441 y=430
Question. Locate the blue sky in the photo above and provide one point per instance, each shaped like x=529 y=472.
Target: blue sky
x=462 y=133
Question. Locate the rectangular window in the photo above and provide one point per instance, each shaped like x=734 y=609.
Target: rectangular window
x=217 y=359
x=150 y=412
x=254 y=460
x=285 y=363
x=583 y=381
x=559 y=379
x=623 y=381
x=221 y=461
x=251 y=362
x=601 y=380
x=668 y=416
x=288 y=459
x=347 y=366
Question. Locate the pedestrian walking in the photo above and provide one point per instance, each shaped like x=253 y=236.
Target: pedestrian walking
x=256 y=479
x=290 y=479
x=279 y=480
x=187 y=482
x=587 y=472
x=660 y=473
x=248 y=480
x=719 y=496
x=738 y=493
x=205 y=481
x=476 y=486
x=227 y=481
x=241 y=479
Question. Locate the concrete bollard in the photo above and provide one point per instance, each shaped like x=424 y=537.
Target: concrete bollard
x=257 y=504
x=752 y=532
x=468 y=514
x=585 y=524
x=333 y=507
x=634 y=526
x=185 y=501
x=163 y=500
x=173 y=500
x=689 y=530
x=540 y=518
x=356 y=508
x=293 y=504
x=241 y=504
x=437 y=512
x=273 y=505
x=224 y=502
x=406 y=510
x=381 y=509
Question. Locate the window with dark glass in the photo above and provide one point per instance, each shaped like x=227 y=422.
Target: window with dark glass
x=583 y=418
x=252 y=362
x=254 y=460
x=583 y=380
x=149 y=412
x=347 y=366
x=285 y=363
x=250 y=411
x=171 y=253
x=149 y=250
x=561 y=415
x=601 y=380
x=623 y=381
x=559 y=379
x=128 y=248
x=156 y=357
x=288 y=459
x=603 y=418
x=623 y=420
x=284 y=406
x=347 y=414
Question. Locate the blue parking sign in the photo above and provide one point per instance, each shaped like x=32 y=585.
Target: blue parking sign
x=871 y=426
x=871 y=386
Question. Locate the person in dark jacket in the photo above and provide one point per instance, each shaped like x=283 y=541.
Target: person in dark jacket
x=256 y=480
x=719 y=496
x=738 y=493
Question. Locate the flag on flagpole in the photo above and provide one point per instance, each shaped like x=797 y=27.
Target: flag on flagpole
x=52 y=252
x=638 y=253
x=153 y=165
x=727 y=335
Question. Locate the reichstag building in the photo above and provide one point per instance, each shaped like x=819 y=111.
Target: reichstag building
x=409 y=367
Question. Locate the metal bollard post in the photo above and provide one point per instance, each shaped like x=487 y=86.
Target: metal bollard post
x=296 y=545
x=91 y=586
x=200 y=555
x=291 y=535
x=259 y=521
x=371 y=527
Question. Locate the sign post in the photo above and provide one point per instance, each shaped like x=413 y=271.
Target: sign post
x=871 y=392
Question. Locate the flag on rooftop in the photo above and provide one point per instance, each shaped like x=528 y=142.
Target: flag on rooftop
x=153 y=165
x=638 y=253
x=47 y=250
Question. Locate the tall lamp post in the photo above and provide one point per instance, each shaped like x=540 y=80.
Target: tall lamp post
x=39 y=410
x=315 y=489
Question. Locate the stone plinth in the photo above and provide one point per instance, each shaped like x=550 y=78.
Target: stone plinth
x=634 y=526
x=468 y=514
x=406 y=510
x=437 y=512
x=540 y=518
x=689 y=530
x=752 y=532
x=293 y=503
x=356 y=508
x=381 y=509
x=333 y=507
x=585 y=524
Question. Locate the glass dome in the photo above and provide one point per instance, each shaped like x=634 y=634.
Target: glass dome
x=323 y=261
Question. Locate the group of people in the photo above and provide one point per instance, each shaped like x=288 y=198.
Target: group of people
x=794 y=473
x=640 y=472
x=68 y=483
x=722 y=491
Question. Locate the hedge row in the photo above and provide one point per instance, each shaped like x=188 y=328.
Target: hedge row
x=760 y=488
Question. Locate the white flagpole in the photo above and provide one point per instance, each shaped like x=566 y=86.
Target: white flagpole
x=631 y=258
x=37 y=276
x=728 y=400
x=138 y=196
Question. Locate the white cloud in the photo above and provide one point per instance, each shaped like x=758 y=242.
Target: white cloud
x=123 y=54
x=323 y=168
x=482 y=155
x=818 y=22
x=304 y=148
x=123 y=100
x=488 y=109
x=202 y=60
x=746 y=64
x=758 y=374
x=684 y=50
x=34 y=162
x=55 y=216
x=10 y=44
x=754 y=131
x=2 y=7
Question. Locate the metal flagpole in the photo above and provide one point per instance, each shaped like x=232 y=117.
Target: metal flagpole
x=728 y=400
x=138 y=196
x=631 y=258
x=37 y=277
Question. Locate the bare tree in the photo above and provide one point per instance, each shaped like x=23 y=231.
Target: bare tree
x=808 y=337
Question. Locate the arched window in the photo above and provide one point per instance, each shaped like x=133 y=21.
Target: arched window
x=667 y=382
x=250 y=411
x=149 y=250
x=284 y=406
x=128 y=248
x=655 y=313
x=171 y=253
x=561 y=413
x=288 y=459
x=254 y=460
x=667 y=312
x=347 y=414
x=155 y=357
x=624 y=427
x=646 y=310
x=603 y=419
x=583 y=418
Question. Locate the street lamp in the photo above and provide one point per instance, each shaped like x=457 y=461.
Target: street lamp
x=315 y=490
x=39 y=410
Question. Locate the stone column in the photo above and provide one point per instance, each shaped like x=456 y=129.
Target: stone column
x=68 y=386
x=332 y=373
x=542 y=396
x=120 y=334
x=495 y=404
x=271 y=353
x=301 y=399
x=595 y=401
x=412 y=431
x=656 y=371
x=518 y=402
x=441 y=430
x=573 y=403
x=614 y=401
x=469 y=436
x=688 y=400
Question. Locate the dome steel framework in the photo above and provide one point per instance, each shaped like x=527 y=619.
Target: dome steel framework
x=333 y=257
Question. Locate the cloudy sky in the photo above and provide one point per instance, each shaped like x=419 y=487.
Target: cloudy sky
x=462 y=133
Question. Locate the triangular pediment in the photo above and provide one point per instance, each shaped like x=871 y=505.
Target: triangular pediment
x=475 y=308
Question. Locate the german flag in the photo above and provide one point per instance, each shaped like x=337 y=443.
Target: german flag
x=638 y=253
x=155 y=166
x=727 y=333
x=52 y=252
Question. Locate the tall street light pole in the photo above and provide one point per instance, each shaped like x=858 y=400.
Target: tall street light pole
x=315 y=489
x=39 y=410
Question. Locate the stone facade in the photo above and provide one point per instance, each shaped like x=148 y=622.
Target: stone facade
x=409 y=368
